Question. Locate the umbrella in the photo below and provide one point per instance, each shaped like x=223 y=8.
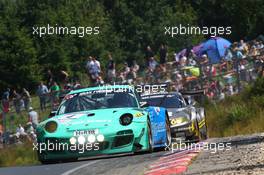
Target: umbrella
x=215 y=48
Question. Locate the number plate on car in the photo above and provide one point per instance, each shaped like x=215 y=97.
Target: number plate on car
x=85 y=132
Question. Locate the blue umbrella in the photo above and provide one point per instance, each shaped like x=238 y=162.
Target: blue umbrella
x=215 y=48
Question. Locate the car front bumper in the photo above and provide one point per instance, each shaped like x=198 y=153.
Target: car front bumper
x=185 y=129
x=124 y=140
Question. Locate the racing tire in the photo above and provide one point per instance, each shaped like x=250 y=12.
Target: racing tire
x=150 y=139
x=46 y=161
x=204 y=129
x=168 y=132
x=197 y=136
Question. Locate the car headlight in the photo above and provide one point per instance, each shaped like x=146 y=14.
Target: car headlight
x=178 y=120
x=51 y=126
x=126 y=119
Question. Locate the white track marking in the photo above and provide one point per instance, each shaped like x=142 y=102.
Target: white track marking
x=79 y=167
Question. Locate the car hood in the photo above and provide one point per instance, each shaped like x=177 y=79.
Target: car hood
x=177 y=112
x=93 y=119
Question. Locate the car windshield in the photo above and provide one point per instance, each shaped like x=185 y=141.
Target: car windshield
x=96 y=100
x=166 y=101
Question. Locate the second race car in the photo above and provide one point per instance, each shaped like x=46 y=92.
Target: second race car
x=187 y=122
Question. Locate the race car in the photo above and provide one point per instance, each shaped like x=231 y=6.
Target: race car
x=187 y=122
x=105 y=120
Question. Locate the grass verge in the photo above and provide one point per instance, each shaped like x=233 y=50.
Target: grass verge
x=239 y=114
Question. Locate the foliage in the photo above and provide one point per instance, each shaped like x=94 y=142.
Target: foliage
x=126 y=28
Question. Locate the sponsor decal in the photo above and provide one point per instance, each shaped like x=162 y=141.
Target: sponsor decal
x=157 y=110
x=138 y=114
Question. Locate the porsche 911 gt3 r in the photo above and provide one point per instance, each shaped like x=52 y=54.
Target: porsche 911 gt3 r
x=186 y=121
x=98 y=121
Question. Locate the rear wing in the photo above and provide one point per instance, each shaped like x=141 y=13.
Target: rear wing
x=198 y=95
x=193 y=93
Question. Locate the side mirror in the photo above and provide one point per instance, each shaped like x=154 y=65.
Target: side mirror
x=143 y=104
x=52 y=114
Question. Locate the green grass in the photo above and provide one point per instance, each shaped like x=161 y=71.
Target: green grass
x=240 y=114
x=18 y=155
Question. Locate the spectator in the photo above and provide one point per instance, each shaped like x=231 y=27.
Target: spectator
x=133 y=71
x=121 y=78
x=93 y=68
x=55 y=94
x=253 y=51
x=228 y=55
x=20 y=131
x=26 y=98
x=135 y=66
x=242 y=46
x=204 y=60
x=5 y=100
x=49 y=78
x=33 y=117
x=183 y=61
x=148 y=54
x=163 y=54
x=133 y=74
x=17 y=101
x=259 y=45
x=64 y=76
x=111 y=73
x=177 y=59
x=42 y=92
x=31 y=132
x=126 y=70
x=152 y=64
x=6 y=95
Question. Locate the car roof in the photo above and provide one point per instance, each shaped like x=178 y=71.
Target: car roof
x=105 y=87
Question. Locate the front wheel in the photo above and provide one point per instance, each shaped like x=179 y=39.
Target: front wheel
x=168 y=132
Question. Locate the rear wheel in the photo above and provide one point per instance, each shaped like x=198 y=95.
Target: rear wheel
x=203 y=130
x=150 y=140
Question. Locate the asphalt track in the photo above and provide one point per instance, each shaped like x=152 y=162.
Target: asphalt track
x=125 y=165
x=157 y=163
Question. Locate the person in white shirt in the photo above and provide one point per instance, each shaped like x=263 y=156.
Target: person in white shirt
x=33 y=117
x=93 y=68
x=20 y=131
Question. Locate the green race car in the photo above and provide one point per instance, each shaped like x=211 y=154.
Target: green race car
x=100 y=121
